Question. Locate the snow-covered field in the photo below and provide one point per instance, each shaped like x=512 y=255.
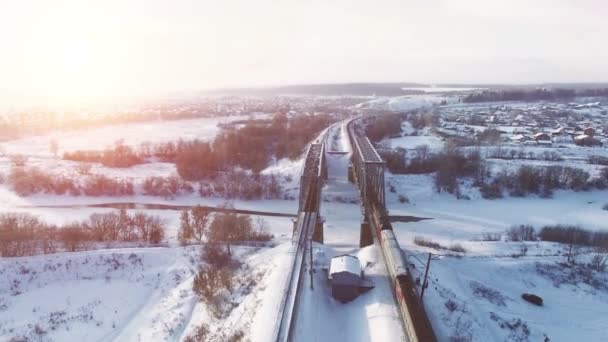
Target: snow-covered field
x=132 y=134
x=476 y=295
x=130 y=295
x=402 y=103
x=133 y=294
x=144 y=294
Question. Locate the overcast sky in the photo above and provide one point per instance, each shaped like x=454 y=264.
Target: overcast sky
x=96 y=49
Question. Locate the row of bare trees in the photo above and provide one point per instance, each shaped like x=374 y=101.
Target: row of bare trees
x=23 y=234
x=199 y=224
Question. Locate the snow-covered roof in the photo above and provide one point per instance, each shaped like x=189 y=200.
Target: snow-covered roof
x=345 y=263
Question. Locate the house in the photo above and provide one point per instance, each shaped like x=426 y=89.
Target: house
x=542 y=136
x=586 y=140
x=589 y=131
x=345 y=277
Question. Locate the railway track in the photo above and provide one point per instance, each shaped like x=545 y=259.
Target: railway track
x=308 y=215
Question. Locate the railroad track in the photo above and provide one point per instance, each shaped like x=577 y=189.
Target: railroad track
x=308 y=215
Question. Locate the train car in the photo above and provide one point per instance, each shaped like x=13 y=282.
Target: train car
x=392 y=253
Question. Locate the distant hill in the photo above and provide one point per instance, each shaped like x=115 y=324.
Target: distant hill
x=381 y=89
x=337 y=89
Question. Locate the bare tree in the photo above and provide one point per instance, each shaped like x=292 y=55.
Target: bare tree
x=194 y=224
x=54 y=147
x=19 y=160
x=600 y=259
x=84 y=168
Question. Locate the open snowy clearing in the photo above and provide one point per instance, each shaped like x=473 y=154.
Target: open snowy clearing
x=132 y=134
x=136 y=294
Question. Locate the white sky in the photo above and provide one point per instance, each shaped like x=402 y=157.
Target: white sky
x=60 y=50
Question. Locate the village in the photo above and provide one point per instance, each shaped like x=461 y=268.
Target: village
x=531 y=124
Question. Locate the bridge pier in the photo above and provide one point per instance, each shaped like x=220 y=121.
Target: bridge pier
x=365 y=237
x=317 y=235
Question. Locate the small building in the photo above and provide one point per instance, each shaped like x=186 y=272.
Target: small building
x=345 y=277
x=589 y=131
x=586 y=140
x=542 y=136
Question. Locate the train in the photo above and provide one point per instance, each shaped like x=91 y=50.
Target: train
x=415 y=320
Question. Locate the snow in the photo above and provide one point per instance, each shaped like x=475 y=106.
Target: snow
x=373 y=316
x=402 y=103
x=410 y=142
x=92 y=295
x=457 y=299
x=344 y=263
x=133 y=294
x=132 y=134
x=435 y=89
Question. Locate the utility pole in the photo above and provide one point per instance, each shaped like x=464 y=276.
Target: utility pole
x=312 y=287
x=425 y=283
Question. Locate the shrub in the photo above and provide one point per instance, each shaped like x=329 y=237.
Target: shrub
x=84 y=168
x=420 y=241
x=457 y=248
x=521 y=233
x=199 y=335
x=19 y=160
x=120 y=156
x=490 y=191
x=167 y=187
x=100 y=185
x=574 y=235
x=487 y=236
x=211 y=285
x=491 y=295
x=214 y=255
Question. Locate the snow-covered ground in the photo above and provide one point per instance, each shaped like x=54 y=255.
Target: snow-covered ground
x=401 y=103
x=135 y=294
x=435 y=89
x=132 y=134
x=476 y=296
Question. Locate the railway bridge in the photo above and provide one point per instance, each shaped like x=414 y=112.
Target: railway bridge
x=367 y=171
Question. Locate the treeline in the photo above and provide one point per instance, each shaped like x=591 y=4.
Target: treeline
x=22 y=234
x=453 y=163
x=231 y=185
x=576 y=235
x=26 y=181
x=119 y=156
x=598 y=160
x=510 y=154
x=18 y=124
x=389 y=125
x=567 y=234
x=250 y=147
x=242 y=185
x=542 y=181
x=544 y=94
